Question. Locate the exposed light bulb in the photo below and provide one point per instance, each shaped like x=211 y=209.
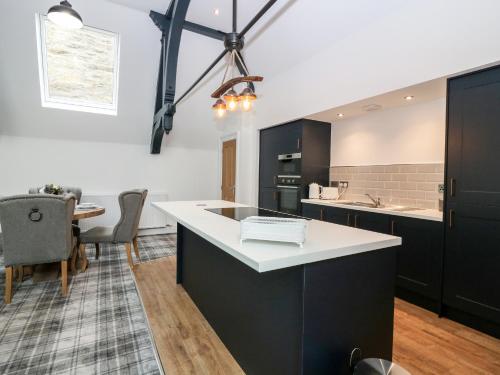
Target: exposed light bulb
x=232 y=105
x=221 y=112
x=246 y=104
x=216 y=11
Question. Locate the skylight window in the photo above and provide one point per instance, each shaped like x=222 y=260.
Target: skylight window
x=78 y=68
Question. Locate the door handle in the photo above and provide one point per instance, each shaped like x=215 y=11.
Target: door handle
x=452 y=187
x=321 y=214
x=275 y=195
x=275 y=178
x=349 y=219
x=451 y=218
x=298 y=143
x=355 y=221
x=393 y=227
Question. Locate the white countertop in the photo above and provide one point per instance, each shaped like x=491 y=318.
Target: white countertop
x=426 y=214
x=323 y=241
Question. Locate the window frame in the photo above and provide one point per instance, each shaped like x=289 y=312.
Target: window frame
x=72 y=104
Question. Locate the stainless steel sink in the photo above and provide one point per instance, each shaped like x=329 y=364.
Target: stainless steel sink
x=405 y=208
x=362 y=204
x=390 y=208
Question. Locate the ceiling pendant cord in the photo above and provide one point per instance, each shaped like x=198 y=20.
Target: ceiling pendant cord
x=242 y=63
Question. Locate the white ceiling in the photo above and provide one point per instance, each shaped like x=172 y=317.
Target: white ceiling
x=423 y=92
x=290 y=32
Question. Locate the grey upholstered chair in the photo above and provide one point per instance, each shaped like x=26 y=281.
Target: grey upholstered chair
x=125 y=232
x=67 y=189
x=37 y=229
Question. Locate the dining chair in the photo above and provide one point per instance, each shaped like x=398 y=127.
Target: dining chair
x=66 y=189
x=124 y=232
x=37 y=229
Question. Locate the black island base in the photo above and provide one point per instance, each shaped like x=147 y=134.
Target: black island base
x=305 y=319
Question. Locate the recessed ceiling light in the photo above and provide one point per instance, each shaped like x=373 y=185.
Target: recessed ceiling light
x=339 y=115
x=408 y=97
x=216 y=11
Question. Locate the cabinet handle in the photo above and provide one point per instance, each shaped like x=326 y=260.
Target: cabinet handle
x=451 y=218
x=275 y=195
x=321 y=215
x=355 y=221
x=452 y=187
x=393 y=227
x=298 y=144
x=349 y=219
x=275 y=180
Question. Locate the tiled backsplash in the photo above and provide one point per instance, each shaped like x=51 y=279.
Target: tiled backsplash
x=404 y=184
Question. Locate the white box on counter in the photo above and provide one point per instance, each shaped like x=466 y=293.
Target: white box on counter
x=274 y=229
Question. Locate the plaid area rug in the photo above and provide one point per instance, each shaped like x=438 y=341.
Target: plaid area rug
x=100 y=328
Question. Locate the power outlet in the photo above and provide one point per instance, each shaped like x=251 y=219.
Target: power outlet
x=343 y=184
x=441 y=188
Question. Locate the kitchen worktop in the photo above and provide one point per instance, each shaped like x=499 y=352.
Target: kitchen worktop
x=425 y=214
x=323 y=241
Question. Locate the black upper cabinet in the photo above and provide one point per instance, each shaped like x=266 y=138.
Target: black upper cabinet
x=472 y=220
x=290 y=139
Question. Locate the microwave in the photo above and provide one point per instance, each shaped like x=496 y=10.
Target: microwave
x=290 y=164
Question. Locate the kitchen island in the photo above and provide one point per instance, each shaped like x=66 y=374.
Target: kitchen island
x=282 y=309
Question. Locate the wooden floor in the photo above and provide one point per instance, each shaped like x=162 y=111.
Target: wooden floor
x=423 y=343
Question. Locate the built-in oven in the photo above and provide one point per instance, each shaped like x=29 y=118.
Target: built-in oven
x=289 y=164
x=289 y=194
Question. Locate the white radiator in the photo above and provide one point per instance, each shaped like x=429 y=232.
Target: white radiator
x=151 y=218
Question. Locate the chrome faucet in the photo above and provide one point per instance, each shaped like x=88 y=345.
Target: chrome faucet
x=376 y=202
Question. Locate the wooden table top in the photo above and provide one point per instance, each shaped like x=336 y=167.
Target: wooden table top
x=85 y=214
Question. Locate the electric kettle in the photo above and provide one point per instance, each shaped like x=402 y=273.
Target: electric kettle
x=315 y=191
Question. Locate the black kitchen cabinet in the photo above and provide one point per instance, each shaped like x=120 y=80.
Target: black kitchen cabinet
x=309 y=138
x=339 y=216
x=419 y=260
x=370 y=221
x=268 y=198
x=314 y=211
x=471 y=289
x=290 y=140
x=268 y=157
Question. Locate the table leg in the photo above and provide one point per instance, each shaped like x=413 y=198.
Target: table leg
x=83 y=256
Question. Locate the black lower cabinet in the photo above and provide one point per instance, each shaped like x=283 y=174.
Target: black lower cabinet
x=314 y=211
x=268 y=198
x=419 y=260
x=371 y=221
x=471 y=289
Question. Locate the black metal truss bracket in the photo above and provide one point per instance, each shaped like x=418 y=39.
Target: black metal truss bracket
x=167 y=76
x=171 y=24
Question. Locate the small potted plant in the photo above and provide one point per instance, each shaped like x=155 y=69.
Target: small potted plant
x=53 y=189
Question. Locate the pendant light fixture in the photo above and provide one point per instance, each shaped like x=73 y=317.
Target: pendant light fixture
x=219 y=107
x=227 y=98
x=65 y=16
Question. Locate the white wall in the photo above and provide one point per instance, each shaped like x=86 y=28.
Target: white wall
x=100 y=153
x=403 y=135
x=100 y=167
x=419 y=42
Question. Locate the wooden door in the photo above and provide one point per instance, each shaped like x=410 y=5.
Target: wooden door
x=472 y=238
x=229 y=170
